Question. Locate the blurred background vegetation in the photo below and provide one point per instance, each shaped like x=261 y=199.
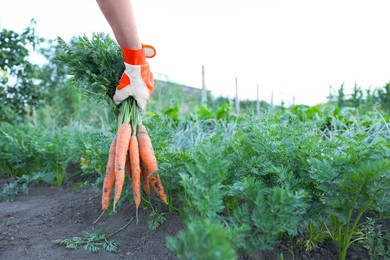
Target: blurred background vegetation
x=41 y=91
x=40 y=106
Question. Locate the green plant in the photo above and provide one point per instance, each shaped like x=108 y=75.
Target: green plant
x=383 y=95
x=364 y=189
x=202 y=193
x=11 y=190
x=357 y=96
x=282 y=176
x=313 y=237
x=341 y=96
x=202 y=240
x=27 y=150
x=58 y=149
x=94 y=152
x=93 y=242
x=377 y=241
x=156 y=219
x=25 y=85
x=204 y=112
x=257 y=224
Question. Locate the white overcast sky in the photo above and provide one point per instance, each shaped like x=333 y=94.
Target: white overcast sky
x=297 y=48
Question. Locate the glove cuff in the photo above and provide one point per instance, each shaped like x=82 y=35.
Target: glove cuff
x=138 y=57
x=133 y=57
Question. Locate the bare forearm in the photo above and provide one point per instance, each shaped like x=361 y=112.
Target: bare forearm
x=120 y=16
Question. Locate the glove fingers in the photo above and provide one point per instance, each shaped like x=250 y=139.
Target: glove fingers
x=141 y=95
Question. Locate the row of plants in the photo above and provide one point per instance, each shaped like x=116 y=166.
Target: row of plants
x=28 y=152
x=238 y=177
x=243 y=183
x=275 y=178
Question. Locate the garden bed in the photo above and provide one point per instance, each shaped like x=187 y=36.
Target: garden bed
x=31 y=223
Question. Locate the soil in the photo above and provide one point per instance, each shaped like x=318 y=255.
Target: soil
x=29 y=225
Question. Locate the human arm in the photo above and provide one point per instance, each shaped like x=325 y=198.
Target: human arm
x=137 y=79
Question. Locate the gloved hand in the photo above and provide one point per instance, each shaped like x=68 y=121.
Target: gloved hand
x=137 y=80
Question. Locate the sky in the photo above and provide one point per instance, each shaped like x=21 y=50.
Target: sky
x=295 y=49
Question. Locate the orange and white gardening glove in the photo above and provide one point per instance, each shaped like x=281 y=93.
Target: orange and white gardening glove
x=137 y=80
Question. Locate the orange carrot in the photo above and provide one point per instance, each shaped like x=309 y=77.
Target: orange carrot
x=109 y=179
x=128 y=166
x=145 y=181
x=155 y=181
x=148 y=158
x=135 y=171
x=146 y=150
x=122 y=144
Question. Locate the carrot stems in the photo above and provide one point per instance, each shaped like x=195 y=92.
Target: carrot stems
x=125 y=112
x=134 y=115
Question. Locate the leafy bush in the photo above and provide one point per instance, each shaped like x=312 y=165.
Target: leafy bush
x=25 y=85
x=18 y=76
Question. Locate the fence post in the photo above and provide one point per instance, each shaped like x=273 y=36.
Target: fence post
x=257 y=101
x=204 y=93
x=237 y=100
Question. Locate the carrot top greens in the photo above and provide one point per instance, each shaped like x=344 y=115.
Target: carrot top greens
x=95 y=65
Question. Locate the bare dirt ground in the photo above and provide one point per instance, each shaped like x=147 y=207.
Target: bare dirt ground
x=29 y=225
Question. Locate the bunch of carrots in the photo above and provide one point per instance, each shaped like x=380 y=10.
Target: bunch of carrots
x=131 y=150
